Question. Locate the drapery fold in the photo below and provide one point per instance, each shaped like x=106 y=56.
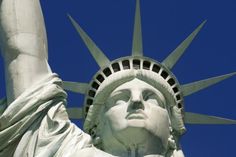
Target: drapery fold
x=36 y=124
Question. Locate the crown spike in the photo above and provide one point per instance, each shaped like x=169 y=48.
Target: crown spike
x=194 y=87
x=75 y=113
x=171 y=60
x=137 y=49
x=194 y=118
x=97 y=54
x=75 y=87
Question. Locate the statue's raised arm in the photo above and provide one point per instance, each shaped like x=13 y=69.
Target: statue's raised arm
x=35 y=122
x=23 y=45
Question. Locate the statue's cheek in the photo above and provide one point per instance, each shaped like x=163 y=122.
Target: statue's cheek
x=115 y=117
x=158 y=123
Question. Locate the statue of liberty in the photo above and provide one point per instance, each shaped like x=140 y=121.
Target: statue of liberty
x=134 y=105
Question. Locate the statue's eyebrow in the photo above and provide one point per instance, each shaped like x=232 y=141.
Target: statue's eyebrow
x=118 y=92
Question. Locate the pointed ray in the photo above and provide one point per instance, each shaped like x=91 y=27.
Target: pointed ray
x=171 y=60
x=97 y=54
x=75 y=113
x=194 y=87
x=75 y=87
x=194 y=118
x=137 y=49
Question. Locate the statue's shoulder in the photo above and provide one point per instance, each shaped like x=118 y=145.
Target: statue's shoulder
x=91 y=152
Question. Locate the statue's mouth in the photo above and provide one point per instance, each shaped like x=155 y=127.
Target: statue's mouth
x=137 y=114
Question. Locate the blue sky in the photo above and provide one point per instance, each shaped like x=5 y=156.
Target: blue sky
x=165 y=24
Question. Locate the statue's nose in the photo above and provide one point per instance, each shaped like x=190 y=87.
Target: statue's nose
x=137 y=105
x=136 y=100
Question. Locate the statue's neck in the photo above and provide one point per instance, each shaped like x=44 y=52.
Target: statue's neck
x=134 y=152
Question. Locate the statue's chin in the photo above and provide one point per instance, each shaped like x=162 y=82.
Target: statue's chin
x=136 y=123
x=135 y=134
x=144 y=129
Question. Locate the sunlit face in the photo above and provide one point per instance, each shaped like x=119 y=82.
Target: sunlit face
x=136 y=107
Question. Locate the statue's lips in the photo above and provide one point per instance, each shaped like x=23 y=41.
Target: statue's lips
x=137 y=114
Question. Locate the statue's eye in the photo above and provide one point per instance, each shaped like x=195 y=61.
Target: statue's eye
x=148 y=95
x=118 y=97
x=152 y=98
x=122 y=96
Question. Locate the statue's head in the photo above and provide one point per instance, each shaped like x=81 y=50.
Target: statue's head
x=134 y=96
x=134 y=112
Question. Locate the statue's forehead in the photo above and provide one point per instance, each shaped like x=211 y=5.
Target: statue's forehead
x=136 y=86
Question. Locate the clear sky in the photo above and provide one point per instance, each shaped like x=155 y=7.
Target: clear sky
x=165 y=24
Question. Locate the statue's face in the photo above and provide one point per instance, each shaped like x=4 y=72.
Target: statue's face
x=136 y=108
